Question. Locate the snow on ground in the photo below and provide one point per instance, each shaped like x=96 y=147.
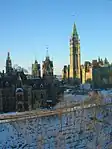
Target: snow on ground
x=72 y=130
x=79 y=129
x=70 y=99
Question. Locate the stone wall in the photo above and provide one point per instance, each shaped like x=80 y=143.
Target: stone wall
x=88 y=128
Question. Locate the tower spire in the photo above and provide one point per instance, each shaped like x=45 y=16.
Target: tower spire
x=47 y=53
x=8 y=63
x=74 y=54
x=8 y=56
x=35 y=59
x=74 y=33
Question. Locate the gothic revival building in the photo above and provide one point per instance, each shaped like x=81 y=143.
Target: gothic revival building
x=100 y=63
x=66 y=72
x=88 y=71
x=75 y=54
x=75 y=70
x=22 y=101
x=19 y=93
x=10 y=91
x=47 y=67
x=102 y=73
x=36 y=72
x=83 y=79
x=72 y=72
x=51 y=82
x=102 y=77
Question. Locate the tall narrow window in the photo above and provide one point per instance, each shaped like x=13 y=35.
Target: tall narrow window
x=42 y=96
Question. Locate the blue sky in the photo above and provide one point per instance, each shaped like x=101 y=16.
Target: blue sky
x=28 y=26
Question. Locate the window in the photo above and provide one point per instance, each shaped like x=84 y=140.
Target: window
x=41 y=96
x=41 y=86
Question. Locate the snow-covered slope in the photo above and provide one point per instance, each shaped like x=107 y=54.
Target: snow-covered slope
x=81 y=129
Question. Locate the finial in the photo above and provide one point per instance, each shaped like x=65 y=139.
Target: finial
x=34 y=54
x=35 y=59
x=52 y=59
x=47 y=54
x=8 y=54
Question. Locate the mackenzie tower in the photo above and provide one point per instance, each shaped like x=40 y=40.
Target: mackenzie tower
x=74 y=54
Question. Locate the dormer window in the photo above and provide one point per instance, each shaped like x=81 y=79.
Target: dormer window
x=46 y=83
x=7 y=84
x=19 y=90
x=34 y=85
x=41 y=86
x=42 y=96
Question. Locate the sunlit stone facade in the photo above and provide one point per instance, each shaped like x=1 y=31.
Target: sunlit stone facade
x=75 y=54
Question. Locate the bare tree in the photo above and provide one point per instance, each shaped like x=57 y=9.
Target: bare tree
x=19 y=68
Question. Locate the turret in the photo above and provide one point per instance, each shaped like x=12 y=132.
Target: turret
x=8 y=64
x=47 y=66
x=36 y=72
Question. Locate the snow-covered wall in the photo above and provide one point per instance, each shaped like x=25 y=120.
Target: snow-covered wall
x=81 y=129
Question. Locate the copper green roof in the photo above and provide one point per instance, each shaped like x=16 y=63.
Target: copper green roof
x=74 y=33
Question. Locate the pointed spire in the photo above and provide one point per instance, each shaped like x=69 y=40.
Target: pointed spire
x=8 y=55
x=52 y=59
x=74 y=33
x=99 y=59
x=35 y=58
x=47 y=53
x=8 y=63
x=36 y=61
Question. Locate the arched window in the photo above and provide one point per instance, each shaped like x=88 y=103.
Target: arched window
x=34 y=86
x=6 y=84
x=41 y=86
x=41 y=96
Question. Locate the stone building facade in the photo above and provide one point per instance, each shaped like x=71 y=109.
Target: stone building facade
x=18 y=92
x=75 y=60
x=102 y=77
x=83 y=80
x=86 y=73
x=47 y=67
x=36 y=69
x=66 y=72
